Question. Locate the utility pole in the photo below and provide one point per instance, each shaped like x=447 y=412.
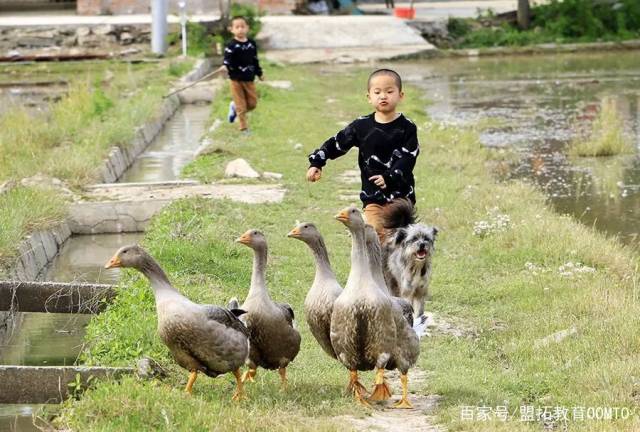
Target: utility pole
x=159 y=26
x=524 y=14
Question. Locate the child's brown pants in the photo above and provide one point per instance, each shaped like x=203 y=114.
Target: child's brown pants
x=373 y=216
x=245 y=98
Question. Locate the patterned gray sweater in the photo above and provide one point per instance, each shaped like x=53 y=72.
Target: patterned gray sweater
x=387 y=149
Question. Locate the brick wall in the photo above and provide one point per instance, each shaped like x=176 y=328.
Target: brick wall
x=124 y=7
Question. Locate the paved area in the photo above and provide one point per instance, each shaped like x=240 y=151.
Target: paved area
x=340 y=39
x=441 y=10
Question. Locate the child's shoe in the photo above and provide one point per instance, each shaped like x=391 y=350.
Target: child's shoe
x=232 y=112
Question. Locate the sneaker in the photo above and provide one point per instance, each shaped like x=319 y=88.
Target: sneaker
x=245 y=132
x=232 y=112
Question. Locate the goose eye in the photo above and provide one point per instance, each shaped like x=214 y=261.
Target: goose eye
x=306 y=226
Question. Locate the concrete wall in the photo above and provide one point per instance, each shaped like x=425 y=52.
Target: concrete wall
x=54 y=297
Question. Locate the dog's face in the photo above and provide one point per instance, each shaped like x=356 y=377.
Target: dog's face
x=417 y=242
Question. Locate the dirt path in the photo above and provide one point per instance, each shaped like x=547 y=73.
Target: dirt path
x=385 y=418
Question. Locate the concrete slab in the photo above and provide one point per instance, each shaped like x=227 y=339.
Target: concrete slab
x=303 y=32
x=129 y=207
x=251 y=194
x=348 y=55
x=54 y=297
x=48 y=384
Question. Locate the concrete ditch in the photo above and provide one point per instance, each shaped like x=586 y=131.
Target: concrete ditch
x=49 y=384
x=54 y=297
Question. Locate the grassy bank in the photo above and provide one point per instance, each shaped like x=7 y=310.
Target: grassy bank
x=567 y=21
x=103 y=105
x=505 y=272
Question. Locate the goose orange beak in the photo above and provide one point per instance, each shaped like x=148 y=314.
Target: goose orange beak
x=294 y=232
x=113 y=262
x=343 y=216
x=244 y=239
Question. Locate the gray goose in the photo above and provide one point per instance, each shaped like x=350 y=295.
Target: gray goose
x=318 y=304
x=201 y=338
x=363 y=329
x=274 y=340
x=407 y=346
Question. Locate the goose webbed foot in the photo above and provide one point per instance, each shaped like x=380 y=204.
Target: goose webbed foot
x=239 y=394
x=249 y=375
x=381 y=390
x=404 y=402
x=356 y=388
x=192 y=379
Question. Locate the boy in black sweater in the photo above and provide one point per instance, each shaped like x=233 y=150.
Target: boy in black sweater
x=241 y=62
x=387 y=142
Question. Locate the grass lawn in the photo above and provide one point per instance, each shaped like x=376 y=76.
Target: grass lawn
x=104 y=104
x=501 y=268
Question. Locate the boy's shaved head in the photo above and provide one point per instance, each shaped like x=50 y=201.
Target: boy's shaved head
x=238 y=17
x=388 y=72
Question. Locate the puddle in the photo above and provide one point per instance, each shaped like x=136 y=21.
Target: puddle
x=172 y=149
x=82 y=258
x=32 y=97
x=536 y=107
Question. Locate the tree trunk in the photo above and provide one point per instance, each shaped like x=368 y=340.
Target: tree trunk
x=524 y=14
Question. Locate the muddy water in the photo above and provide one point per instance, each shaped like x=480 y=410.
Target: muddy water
x=18 y=418
x=537 y=106
x=173 y=148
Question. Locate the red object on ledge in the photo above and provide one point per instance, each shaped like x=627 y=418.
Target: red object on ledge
x=403 y=12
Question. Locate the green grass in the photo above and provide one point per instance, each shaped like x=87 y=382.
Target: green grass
x=606 y=137
x=479 y=280
x=104 y=104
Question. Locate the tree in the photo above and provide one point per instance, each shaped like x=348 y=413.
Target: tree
x=524 y=14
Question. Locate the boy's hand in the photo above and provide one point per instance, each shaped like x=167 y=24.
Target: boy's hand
x=261 y=77
x=378 y=180
x=314 y=174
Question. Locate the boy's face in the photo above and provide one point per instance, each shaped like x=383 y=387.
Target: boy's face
x=239 y=29
x=384 y=94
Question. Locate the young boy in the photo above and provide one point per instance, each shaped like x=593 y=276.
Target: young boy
x=241 y=62
x=387 y=144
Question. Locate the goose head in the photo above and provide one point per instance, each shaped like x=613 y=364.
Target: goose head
x=132 y=256
x=254 y=239
x=351 y=217
x=304 y=231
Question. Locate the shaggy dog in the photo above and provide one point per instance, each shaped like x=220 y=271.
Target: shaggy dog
x=407 y=252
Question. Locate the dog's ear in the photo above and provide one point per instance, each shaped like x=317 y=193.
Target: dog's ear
x=401 y=234
x=435 y=232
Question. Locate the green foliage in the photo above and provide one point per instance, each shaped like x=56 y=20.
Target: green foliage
x=557 y=22
x=101 y=102
x=199 y=41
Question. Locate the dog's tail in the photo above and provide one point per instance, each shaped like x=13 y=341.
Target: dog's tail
x=399 y=214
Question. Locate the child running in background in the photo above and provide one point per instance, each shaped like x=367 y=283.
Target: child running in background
x=387 y=143
x=242 y=65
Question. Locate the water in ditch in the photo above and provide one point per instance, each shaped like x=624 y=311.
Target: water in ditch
x=535 y=107
x=53 y=339
x=172 y=149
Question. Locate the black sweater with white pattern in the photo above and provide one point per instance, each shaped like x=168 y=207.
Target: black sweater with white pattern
x=241 y=60
x=387 y=149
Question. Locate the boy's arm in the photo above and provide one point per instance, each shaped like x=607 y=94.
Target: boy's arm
x=228 y=58
x=406 y=156
x=256 y=62
x=334 y=147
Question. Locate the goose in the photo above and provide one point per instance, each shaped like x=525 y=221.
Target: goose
x=202 y=338
x=407 y=346
x=363 y=329
x=274 y=340
x=318 y=304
